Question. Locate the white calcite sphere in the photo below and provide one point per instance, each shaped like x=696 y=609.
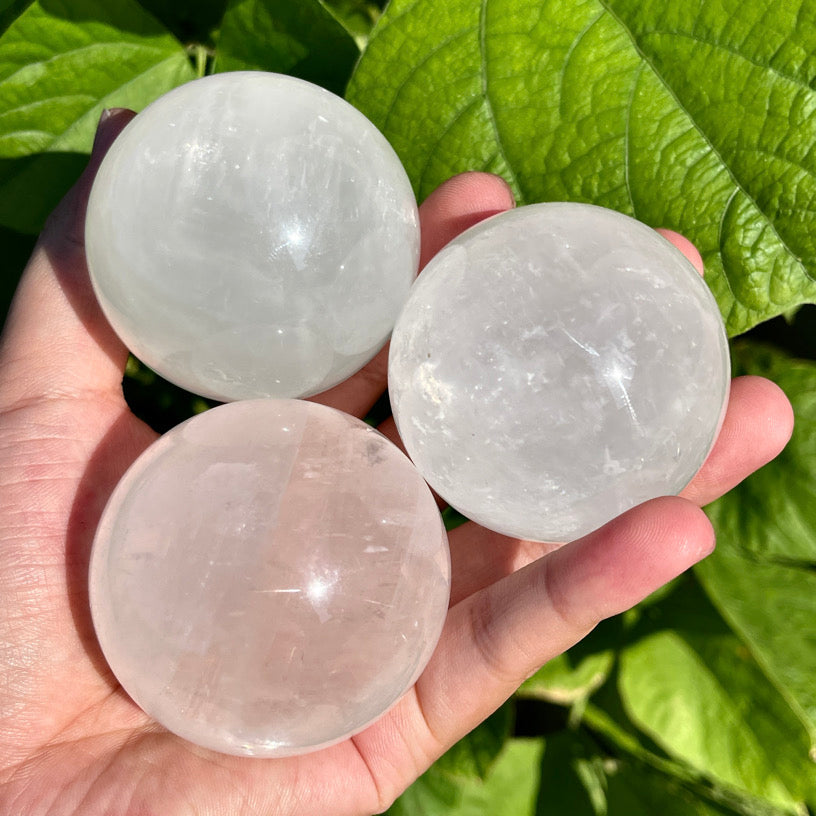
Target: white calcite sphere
x=556 y=365
x=269 y=577
x=251 y=234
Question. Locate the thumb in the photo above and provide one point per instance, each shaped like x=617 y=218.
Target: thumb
x=56 y=341
x=67 y=222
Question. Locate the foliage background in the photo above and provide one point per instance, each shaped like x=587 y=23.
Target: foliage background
x=699 y=116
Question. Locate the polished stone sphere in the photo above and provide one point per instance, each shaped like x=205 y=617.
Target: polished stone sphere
x=269 y=577
x=556 y=365
x=250 y=234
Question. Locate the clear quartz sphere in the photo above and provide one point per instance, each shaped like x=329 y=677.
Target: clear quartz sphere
x=269 y=577
x=251 y=234
x=556 y=365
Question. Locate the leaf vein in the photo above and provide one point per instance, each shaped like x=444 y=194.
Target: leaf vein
x=729 y=50
x=489 y=105
x=670 y=90
x=94 y=46
x=387 y=22
x=447 y=129
x=626 y=139
x=786 y=159
x=572 y=49
x=416 y=68
x=720 y=243
x=137 y=77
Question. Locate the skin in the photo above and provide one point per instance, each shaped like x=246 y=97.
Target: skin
x=72 y=742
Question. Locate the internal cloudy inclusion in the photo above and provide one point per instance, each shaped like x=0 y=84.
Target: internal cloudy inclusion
x=252 y=235
x=556 y=365
x=269 y=577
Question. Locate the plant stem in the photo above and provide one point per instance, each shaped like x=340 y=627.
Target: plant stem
x=598 y=721
x=201 y=60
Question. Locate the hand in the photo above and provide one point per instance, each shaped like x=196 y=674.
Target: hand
x=72 y=742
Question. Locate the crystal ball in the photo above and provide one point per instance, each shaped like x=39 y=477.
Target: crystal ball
x=269 y=577
x=556 y=365
x=251 y=234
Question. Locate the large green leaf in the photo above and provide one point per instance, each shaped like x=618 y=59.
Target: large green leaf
x=691 y=684
x=629 y=748
x=762 y=576
x=358 y=16
x=474 y=755
x=462 y=773
x=302 y=39
x=572 y=777
x=16 y=251
x=566 y=773
x=633 y=790
x=10 y=10
x=576 y=674
x=61 y=63
x=509 y=789
x=569 y=678
x=696 y=116
x=579 y=780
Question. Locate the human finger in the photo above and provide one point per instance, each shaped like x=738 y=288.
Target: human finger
x=455 y=205
x=499 y=636
x=757 y=425
x=56 y=340
x=685 y=246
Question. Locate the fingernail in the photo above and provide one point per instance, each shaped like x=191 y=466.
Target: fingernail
x=707 y=548
x=510 y=191
x=103 y=137
x=104 y=118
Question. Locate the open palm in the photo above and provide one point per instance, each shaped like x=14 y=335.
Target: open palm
x=71 y=740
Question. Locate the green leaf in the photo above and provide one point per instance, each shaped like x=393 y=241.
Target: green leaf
x=433 y=794
x=474 y=755
x=762 y=577
x=572 y=777
x=32 y=186
x=633 y=790
x=17 y=249
x=357 y=16
x=461 y=773
x=10 y=10
x=574 y=675
x=302 y=39
x=579 y=780
x=191 y=21
x=565 y=680
x=607 y=720
x=699 y=117
x=452 y=518
x=61 y=63
x=693 y=687
x=511 y=787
